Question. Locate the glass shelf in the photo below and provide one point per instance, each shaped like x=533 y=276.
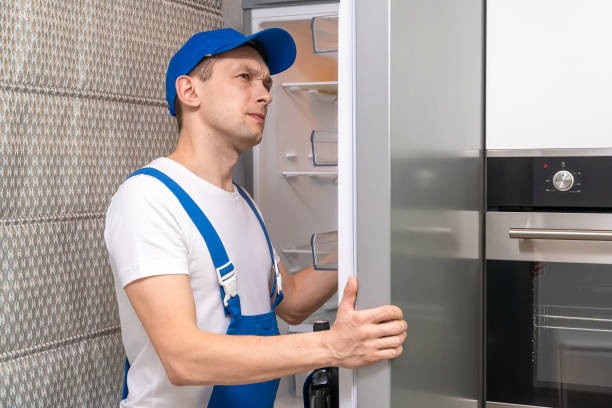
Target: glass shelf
x=296 y=250
x=324 y=148
x=325 y=250
x=328 y=88
x=297 y=257
x=313 y=174
x=325 y=35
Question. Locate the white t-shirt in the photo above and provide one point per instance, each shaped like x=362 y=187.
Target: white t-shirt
x=148 y=233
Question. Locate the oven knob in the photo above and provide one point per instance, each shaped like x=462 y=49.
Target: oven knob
x=563 y=180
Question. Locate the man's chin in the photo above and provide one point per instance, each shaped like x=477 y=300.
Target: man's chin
x=250 y=141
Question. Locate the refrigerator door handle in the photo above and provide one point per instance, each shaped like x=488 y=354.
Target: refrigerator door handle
x=561 y=234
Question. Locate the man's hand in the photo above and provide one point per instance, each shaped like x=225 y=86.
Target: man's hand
x=362 y=337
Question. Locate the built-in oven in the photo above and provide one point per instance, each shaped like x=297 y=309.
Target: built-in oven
x=548 y=282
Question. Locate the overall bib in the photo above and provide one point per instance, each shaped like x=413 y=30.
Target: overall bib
x=258 y=395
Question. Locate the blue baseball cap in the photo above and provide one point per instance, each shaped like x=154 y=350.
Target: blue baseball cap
x=275 y=44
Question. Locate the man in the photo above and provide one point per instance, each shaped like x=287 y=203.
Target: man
x=198 y=283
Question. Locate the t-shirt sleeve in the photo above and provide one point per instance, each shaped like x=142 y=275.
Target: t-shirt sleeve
x=144 y=231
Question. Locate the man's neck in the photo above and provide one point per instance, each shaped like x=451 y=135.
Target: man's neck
x=206 y=158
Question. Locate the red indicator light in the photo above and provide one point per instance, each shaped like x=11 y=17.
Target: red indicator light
x=546 y=166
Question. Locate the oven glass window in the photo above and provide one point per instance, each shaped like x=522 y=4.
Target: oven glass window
x=549 y=334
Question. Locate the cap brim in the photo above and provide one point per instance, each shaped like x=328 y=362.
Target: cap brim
x=278 y=47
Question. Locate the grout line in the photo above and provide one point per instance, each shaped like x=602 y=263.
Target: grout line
x=54 y=344
x=52 y=218
x=80 y=93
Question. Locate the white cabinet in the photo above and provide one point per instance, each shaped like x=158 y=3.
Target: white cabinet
x=549 y=74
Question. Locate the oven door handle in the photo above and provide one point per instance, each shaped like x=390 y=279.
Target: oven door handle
x=562 y=234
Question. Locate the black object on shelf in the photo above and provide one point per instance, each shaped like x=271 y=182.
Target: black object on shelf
x=321 y=386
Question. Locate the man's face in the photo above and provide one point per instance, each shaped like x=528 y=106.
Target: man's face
x=235 y=99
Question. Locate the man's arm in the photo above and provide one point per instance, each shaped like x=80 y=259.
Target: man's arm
x=305 y=292
x=191 y=356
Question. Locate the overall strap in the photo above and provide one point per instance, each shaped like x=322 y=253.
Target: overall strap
x=124 y=392
x=226 y=275
x=277 y=276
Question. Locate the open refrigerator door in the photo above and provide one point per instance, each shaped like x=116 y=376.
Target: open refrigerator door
x=295 y=168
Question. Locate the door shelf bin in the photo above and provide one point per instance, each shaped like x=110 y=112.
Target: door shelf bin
x=324 y=148
x=325 y=35
x=325 y=250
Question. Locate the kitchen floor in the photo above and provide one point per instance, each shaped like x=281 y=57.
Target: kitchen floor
x=284 y=399
x=287 y=401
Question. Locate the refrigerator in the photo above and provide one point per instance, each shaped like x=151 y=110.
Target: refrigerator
x=374 y=145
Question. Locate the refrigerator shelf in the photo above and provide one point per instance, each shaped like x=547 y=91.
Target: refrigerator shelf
x=296 y=257
x=313 y=174
x=325 y=35
x=296 y=250
x=324 y=148
x=328 y=88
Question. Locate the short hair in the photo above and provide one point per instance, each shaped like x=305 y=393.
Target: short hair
x=203 y=71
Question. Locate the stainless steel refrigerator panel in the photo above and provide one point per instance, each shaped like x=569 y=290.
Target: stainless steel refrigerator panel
x=372 y=182
x=418 y=191
x=436 y=166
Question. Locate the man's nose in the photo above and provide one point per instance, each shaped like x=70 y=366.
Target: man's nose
x=264 y=95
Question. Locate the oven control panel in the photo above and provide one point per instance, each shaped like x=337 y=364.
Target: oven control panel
x=558 y=175
x=580 y=182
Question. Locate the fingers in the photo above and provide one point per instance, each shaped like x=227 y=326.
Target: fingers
x=363 y=337
x=350 y=294
x=388 y=354
x=392 y=328
x=382 y=314
x=390 y=342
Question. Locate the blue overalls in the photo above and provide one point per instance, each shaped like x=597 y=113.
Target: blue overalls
x=259 y=395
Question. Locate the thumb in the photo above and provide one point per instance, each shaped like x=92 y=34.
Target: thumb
x=350 y=294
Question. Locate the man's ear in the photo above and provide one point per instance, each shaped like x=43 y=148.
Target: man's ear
x=187 y=92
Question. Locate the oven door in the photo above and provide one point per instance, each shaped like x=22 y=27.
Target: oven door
x=548 y=310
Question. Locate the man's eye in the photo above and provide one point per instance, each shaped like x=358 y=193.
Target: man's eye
x=245 y=76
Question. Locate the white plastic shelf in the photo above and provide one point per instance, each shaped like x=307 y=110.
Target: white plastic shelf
x=313 y=174
x=296 y=251
x=328 y=88
x=297 y=257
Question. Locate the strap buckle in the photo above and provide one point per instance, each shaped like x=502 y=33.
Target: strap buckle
x=279 y=278
x=229 y=282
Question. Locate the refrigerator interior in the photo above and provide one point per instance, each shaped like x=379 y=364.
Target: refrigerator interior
x=295 y=173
